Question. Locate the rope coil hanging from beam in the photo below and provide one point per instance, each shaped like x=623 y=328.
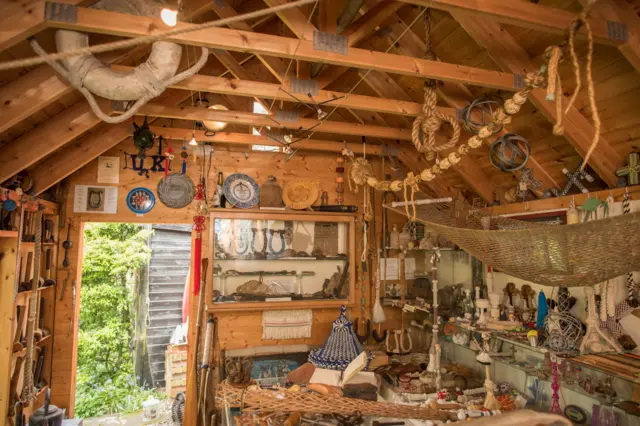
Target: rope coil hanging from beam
x=427 y=124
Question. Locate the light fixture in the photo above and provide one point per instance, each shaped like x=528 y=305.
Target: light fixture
x=288 y=138
x=169 y=16
x=193 y=141
x=321 y=114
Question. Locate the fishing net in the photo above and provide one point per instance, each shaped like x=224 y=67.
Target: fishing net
x=557 y=255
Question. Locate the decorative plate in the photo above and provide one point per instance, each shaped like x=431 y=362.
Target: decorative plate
x=576 y=414
x=141 y=200
x=300 y=195
x=176 y=191
x=241 y=191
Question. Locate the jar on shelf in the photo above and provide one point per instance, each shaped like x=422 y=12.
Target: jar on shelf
x=394 y=237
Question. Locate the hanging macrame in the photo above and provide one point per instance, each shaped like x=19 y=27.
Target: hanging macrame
x=427 y=124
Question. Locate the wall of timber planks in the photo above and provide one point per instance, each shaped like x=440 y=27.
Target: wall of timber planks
x=236 y=330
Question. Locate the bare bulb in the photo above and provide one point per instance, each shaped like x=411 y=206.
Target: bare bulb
x=169 y=17
x=193 y=141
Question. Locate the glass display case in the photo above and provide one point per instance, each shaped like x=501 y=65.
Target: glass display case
x=281 y=260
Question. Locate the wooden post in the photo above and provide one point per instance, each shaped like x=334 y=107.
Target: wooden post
x=8 y=256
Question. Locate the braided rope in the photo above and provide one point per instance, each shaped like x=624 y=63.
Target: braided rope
x=427 y=124
x=28 y=393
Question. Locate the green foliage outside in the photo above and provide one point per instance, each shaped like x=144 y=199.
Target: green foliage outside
x=105 y=383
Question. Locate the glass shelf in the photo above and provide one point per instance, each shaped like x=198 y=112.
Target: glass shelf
x=282 y=261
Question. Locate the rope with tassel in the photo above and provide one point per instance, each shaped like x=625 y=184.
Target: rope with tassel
x=427 y=124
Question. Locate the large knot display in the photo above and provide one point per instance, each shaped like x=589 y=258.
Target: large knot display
x=427 y=125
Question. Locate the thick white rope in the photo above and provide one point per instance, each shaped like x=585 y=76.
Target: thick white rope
x=153 y=86
x=132 y=42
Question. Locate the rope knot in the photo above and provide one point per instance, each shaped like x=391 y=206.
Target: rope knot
x=426 y=125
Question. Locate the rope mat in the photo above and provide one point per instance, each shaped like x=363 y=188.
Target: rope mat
x=260 y=400
x=557 y=255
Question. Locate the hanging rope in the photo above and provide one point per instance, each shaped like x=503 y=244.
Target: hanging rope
x=554 y=86
x=427 y=124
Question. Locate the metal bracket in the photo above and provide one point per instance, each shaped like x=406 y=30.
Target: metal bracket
x=60 y=12
x=518 y=81
x=617 y=31
x=327 y=42
x=304 y=86
x=288 y=115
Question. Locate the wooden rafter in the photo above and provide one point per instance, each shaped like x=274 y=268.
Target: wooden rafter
x=249 y=88
x=521 y=13
x=508 y=54
x=100 y=21
x=251 y=119
x=621 y=11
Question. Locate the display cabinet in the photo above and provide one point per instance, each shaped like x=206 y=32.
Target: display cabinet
x=281 y=260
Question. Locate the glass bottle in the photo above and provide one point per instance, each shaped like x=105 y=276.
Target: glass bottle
x=404 y=238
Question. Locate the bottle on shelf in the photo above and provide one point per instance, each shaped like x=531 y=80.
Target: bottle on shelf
x=219 y=199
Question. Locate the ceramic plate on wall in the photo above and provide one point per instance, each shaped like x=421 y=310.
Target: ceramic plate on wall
x=176 y=191
x=300 y=195
x=140 y=200
x=241 y=191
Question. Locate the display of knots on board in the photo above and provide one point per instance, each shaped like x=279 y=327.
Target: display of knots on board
x=573 y=179
x=510 y=152
x=479 y=113
x=159 y=163
x=526 y=183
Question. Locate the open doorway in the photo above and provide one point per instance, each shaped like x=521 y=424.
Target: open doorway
x=131 y=319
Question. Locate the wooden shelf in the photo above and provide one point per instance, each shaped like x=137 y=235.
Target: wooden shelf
x=21 y=298
x=29 y=244
x=8 y=234
x=267 y=306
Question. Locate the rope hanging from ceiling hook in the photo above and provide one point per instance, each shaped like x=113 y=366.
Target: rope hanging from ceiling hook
x=554 y=55
x=427 y=124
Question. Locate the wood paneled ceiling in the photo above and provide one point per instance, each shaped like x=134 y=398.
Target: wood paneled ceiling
x=47 y=127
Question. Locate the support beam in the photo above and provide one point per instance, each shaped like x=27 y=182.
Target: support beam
x=367 y=24
x=245 y=139
x=257 y=120
x=295 y=20
x=100 y=21
x=523 y=14
x=46 y=138
x=23 y=19
x=509 y=55
x=225 y=86
x=621 y=11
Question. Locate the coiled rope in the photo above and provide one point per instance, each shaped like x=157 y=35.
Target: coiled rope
x=427 y=124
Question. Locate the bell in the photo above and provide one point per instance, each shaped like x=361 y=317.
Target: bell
x=49 y=415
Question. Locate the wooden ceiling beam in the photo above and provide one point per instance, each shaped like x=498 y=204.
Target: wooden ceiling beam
x=621 y=11
x=224 y=10
x=523 y=14
x=72 y=157
x=100 y=21
x=257 y=120
x=509 y=55
x=245 y=139
x=36 y=144
x=295 y=20
x=237 y=87
x=42 y=86
x=367 y=24
x=23 y=19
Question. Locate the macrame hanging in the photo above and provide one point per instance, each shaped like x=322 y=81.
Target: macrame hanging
x=427 y=124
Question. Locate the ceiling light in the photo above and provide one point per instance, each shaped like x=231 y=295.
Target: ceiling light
x=193 y=141
x=169 y=17
x=321 y=114
x=288 y=138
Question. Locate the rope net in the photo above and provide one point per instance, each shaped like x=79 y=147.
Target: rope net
x=557 y=255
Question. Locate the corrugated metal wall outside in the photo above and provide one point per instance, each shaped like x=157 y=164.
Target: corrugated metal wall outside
x=168 y=270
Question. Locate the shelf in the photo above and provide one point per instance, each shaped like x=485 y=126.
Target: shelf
x=295 y=259
x=30 y=244
x=421 y=250
x=216 y=307
x=8 y=234
x=21 y=297
x=44 y=340
x=531 y=372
